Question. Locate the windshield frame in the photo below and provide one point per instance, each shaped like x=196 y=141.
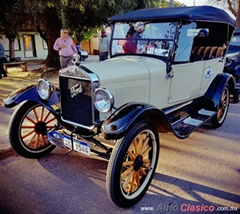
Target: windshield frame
x=160 y=46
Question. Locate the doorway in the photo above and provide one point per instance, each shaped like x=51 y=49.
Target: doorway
x=29 y=46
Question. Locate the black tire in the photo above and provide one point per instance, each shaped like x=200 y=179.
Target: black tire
x=236 y=93
x=27 y=130
x=223 y=106
x=133 y=156
x=236 y=96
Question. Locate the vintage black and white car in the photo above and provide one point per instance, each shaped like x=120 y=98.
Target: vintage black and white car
x=162 y=77
x=232 y=64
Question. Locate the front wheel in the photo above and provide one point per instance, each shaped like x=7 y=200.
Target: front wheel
x=223 y=106
x=27 y=130
x=132 y=164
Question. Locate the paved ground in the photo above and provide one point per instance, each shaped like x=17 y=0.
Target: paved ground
x=15 y=80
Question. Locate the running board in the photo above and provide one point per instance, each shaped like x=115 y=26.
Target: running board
x=190 y=120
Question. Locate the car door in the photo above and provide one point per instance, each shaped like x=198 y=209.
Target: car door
x=211 y=69
x=186 y=82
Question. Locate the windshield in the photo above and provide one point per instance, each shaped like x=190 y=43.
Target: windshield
x=185 y=42
x=143 y=38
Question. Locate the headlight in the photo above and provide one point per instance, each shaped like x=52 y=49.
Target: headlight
x=44 y=89
x=103 y=100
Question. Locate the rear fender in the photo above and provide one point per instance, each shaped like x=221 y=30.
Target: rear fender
x=30 y=93
x=214 y=92
x=116 y=125
x=237 y=74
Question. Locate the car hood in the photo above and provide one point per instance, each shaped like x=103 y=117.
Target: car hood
x=128 y=78
x=125 y=69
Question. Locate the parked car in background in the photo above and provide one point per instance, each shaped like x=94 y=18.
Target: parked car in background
x=84 y=55
x=161 y=78
x=232 y=65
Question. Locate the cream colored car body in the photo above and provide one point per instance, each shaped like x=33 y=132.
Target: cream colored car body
x=143 y=79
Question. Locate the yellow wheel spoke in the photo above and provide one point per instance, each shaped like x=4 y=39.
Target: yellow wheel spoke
x=37 y=144
x=137 y=178
x=32 y=138
x=35 y=114
x=223 y=96
x=132 y=182
x=219 y=114
x=126 y=182
x=44 y=139
x=46 y=117
x=49 y=121
x=128 y=163
x=146 y=163
x=27 y=127
x=131 y=155
x=146 y=151
x=143 y=171
x=126 y=172
x=30 y=119
x=145 y=144
x=141 y=139
x=27 y=134
x=41 y=114
x=135 y=146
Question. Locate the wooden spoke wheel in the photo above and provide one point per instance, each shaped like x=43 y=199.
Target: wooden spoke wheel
x=223 y=106
x=28 y=127
x=132 y=164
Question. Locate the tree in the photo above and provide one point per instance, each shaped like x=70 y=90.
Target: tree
x=81 y=17
x=10 y=25
x=232 y=5
x=77 y=15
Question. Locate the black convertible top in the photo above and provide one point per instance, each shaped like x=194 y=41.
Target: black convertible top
x=195 y=13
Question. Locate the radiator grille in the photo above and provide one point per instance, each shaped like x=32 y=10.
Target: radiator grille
x=76 y=100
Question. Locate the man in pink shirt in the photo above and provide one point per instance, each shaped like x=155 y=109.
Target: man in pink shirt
x=66 y=48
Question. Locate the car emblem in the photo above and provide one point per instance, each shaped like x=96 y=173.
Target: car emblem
x=208 y=72
x=75 y=90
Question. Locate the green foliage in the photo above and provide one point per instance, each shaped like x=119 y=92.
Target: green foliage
x=13 y=18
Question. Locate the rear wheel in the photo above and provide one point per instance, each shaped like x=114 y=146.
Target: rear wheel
x=223 y=106
x=132 y=164
x=28 y=127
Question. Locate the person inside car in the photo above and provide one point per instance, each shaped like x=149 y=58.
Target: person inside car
x=203 y=33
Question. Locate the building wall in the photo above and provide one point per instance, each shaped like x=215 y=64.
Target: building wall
x=28 y=46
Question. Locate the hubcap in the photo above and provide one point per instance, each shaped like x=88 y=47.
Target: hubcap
x=41 y=128
x=138 y=162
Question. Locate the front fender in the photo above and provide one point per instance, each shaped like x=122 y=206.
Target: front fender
x=116 y=125
x=30 y=93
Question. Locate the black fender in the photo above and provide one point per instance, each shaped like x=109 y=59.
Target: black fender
x=116 y=125
x=214 y=92
x=237 y=73
x=30 y=93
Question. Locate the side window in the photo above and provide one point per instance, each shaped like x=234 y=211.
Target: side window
x=185 y=42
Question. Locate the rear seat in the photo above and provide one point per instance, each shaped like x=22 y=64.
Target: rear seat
x=219 y=52
x=213 y=52
x=208 y=52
